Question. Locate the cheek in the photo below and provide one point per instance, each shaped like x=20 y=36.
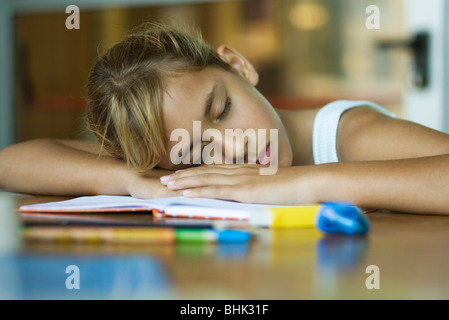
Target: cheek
x=165 y=162
x=253 y=115
x=259 y=112
x=258 y=119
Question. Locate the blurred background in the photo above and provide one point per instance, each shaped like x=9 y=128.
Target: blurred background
x=307 y=52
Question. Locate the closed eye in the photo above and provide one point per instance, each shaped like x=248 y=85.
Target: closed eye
x=226 y=109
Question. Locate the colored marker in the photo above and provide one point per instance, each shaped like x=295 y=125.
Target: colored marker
x=329 y=217
x=133 y=235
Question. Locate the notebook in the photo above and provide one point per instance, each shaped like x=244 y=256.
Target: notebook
x=204 y=208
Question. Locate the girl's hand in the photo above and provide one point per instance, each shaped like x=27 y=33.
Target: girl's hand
x=243 y=183
x=149 y=186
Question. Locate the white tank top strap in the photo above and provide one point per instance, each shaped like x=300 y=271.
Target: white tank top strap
x=326 y=125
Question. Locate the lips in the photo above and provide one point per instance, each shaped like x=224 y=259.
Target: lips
x=264 y=155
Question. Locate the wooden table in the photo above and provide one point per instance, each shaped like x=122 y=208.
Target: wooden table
x=406 y=256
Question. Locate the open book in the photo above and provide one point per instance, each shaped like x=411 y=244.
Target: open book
x=171 y=206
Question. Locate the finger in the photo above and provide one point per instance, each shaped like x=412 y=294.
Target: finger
x=219 y=168
x=223 y=170
x=230 y=166
x=165 y=180
x=207 y=179
x=184 y=173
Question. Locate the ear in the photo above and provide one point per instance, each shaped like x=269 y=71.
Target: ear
x=239 y=63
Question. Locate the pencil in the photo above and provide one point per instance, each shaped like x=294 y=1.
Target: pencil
x=148 y=236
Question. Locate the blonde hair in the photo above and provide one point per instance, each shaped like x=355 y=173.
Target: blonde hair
x=126 y=86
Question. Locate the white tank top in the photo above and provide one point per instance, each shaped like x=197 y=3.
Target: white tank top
x=325 y=128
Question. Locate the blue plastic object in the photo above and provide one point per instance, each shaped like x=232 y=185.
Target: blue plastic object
x=233 y=236
x=343 y=218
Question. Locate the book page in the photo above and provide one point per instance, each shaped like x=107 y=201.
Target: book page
x=107 y=203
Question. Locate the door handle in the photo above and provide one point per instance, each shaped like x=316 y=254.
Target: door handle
x=419 y=47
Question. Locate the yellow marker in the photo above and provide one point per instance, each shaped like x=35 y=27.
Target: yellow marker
x=285 y=217
x=329 y=217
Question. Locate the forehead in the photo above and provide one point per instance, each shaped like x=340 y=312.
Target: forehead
x=184 y=97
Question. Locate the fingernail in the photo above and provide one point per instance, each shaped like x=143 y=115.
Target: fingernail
x=164 y=179
x=170 y=183
x=186 y=192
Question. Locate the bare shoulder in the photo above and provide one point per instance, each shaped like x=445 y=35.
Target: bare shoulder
x=365 y=134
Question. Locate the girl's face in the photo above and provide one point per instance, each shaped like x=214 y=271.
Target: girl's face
x=221 y=100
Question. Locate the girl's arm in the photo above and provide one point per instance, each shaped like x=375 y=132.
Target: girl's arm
x=72 y=168
x=389 y=163
x=417 y=185
x=386 y=163
x=365 y=135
